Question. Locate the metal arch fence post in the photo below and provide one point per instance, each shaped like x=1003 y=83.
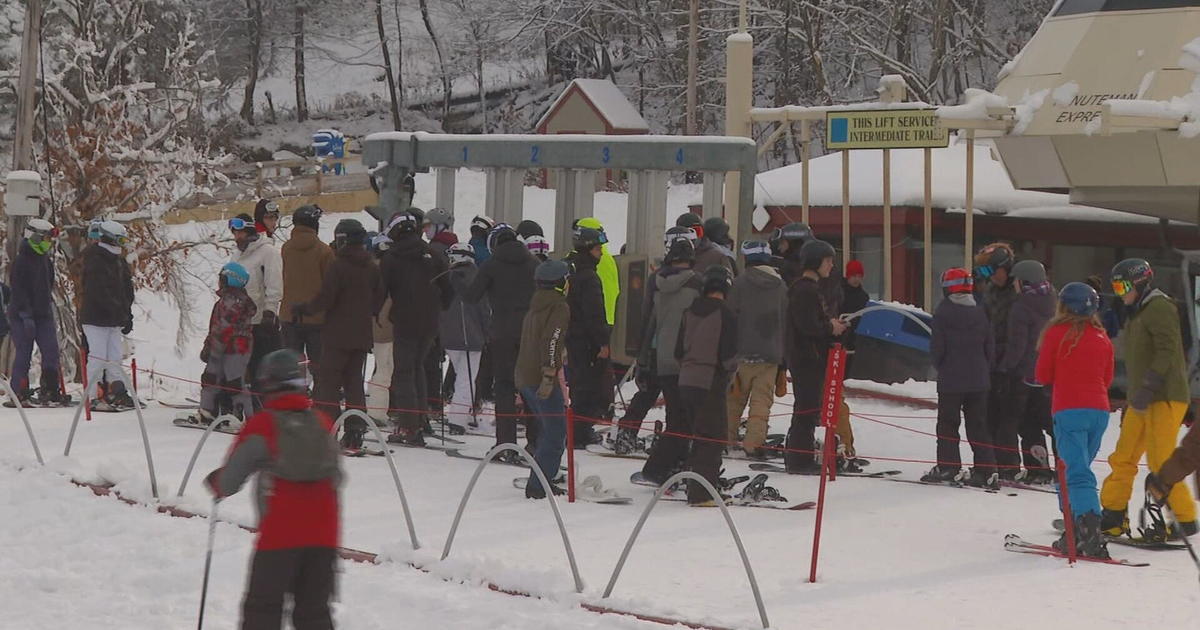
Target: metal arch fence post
x=137 y=407
x=21 y=410
x=487 y=459
x=387 y=453
x=737 y=539
x=196 y=453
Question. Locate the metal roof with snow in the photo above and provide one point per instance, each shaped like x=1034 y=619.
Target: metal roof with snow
x=606 y=100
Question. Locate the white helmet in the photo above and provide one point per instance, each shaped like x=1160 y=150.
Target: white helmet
x=113 y=233
x=460 y=253
x=39 y=226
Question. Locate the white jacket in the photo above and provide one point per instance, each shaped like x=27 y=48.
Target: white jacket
x=265 y=266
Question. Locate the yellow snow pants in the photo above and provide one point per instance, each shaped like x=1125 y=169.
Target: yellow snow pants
x=1154 y=432
x=754 y=382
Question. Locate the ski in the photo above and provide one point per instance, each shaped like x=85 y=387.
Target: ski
x=1015 y=543
x=519 y=484
x=776 y=468
x=1131 y=541
x=948 y=484
x=182 y=405
x=458 y=453
x=362 y=452
x=1017 y=485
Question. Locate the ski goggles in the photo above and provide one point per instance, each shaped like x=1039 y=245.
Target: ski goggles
x=271 y=209
x=752 y=248
x=985 y=271
x=1122 y=287
x=35 y=235
x=237 y=224
x=671 y=237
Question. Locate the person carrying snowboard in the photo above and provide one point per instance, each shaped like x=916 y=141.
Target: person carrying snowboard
x=31 y=316
x=106 y=314
x=1075 y=358
x=543 y=336
x=1156 y=373
x=226 y=349
x=963 y=351
x=706 y=348
x=290 y=447
x=348 y=294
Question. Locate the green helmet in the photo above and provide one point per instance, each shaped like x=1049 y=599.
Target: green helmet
x=281 y=371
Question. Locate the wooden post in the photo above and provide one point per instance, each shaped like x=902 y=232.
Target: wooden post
x=969 y=225
x=258 y=182
x=320 y=176
x=805 y=153
x=928 y=263
x=845 y=205
x=887 y=225
x=26 y=112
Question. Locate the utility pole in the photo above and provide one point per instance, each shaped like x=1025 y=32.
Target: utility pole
x=26 y=108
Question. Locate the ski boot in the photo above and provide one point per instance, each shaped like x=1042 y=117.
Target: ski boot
x=201 y=418
x=938 y=474
x=1089 y=541
x=352 y=439
x=25 y=397
x=1036 y=477
x=1114 y=523
x=509 y=457
x=1159 y=530
x=626 y=442
x=540 y=493
x=982 y=479
x=407 y=437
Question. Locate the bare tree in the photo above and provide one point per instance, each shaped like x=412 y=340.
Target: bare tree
x=387 y=65
x=301 y=95
x=437 y=47
x=254 y=21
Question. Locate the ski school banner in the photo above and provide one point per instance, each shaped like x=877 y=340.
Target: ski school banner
x=831 y=398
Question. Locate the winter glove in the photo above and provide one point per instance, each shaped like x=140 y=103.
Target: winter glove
x=127 y=328
x=549 y=380
x=1156 y=490
x=1144 y=395
x=210 y=482
x=270 y=320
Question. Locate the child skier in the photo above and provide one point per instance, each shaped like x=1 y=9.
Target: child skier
x=706 y=348
x=463 y=328
x=290 y=447
x=226 y=350
x=759 y=300
x=543 y=333
x=1076 y=359
x=1158 y=397
x=962 y=350
x=105 y=314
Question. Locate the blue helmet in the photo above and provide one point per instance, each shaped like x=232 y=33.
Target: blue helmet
x=1079 y=299
x=235 y=275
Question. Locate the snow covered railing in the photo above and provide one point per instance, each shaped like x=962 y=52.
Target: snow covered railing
x=137 y=407
x=387 y=453
x=21 y=410
x=737 y=539
x=562 y=529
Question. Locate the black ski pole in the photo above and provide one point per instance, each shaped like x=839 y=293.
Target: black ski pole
x=212 y=534
x=470 y=372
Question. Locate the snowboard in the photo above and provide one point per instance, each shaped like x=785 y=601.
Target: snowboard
x=949 y=484
x=182 y=405
x=584 y=494
x=1131 y=541
x=458 y=453
x=362 y=452
x=224 y=425
x=776 y=468
x=1017 y=485
x=29 y=404
x=1015 y=543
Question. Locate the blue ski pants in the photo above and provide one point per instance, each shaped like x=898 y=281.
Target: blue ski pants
x=552 y=434
x=26 y=331
x=1077 y=435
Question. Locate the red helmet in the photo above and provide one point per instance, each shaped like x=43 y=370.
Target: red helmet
x=957 y=280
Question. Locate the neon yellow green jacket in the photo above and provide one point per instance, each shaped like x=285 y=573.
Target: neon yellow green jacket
x=607 y=270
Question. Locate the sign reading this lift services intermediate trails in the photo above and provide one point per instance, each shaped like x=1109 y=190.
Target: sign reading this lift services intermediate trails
x=885 y=129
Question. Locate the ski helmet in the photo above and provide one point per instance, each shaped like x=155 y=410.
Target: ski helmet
x=40 y=233
x=993 y=258
x=94 y=229
x=402 y=223
x=280 y=371
x=756 y=252
x=593 y=223
x=551 y=274
x=1079 y=299
x=537 y=245
x=717 y=279
x=1029 y=272
x=235 y=275
x=957 y=280
x=461 y=253
x=586 y=238
x=500 y=235
x=380 y=243
x=680 y=250
x=1132 y=274
x=717 y=230
x=418 y=214
x=440 y=217
x=528 y=228
x=814 y=253
x=349 y=232
x=113 y=233
x=691 y=220
x=679 y=233
x=483 y=224
x=308 y=215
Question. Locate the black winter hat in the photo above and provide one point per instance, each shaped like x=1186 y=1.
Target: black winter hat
x=813 y=253
x=717 y=230
x=308 y=216
x=688 y=219
x=349 y=232
x=717 y=278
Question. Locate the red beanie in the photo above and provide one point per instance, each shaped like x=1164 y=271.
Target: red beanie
x=854 y=268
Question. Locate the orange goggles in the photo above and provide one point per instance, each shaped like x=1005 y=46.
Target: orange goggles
x=1122 y=287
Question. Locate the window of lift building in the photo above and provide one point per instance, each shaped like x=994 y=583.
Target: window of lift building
x=1073 y=7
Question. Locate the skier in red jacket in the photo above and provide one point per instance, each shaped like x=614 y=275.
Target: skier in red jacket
x=290 y=446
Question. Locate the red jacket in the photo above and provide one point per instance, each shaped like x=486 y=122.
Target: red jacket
x=1080 y=370
x=292 y=514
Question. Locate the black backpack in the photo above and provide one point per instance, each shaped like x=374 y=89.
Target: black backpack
x=307 y=452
